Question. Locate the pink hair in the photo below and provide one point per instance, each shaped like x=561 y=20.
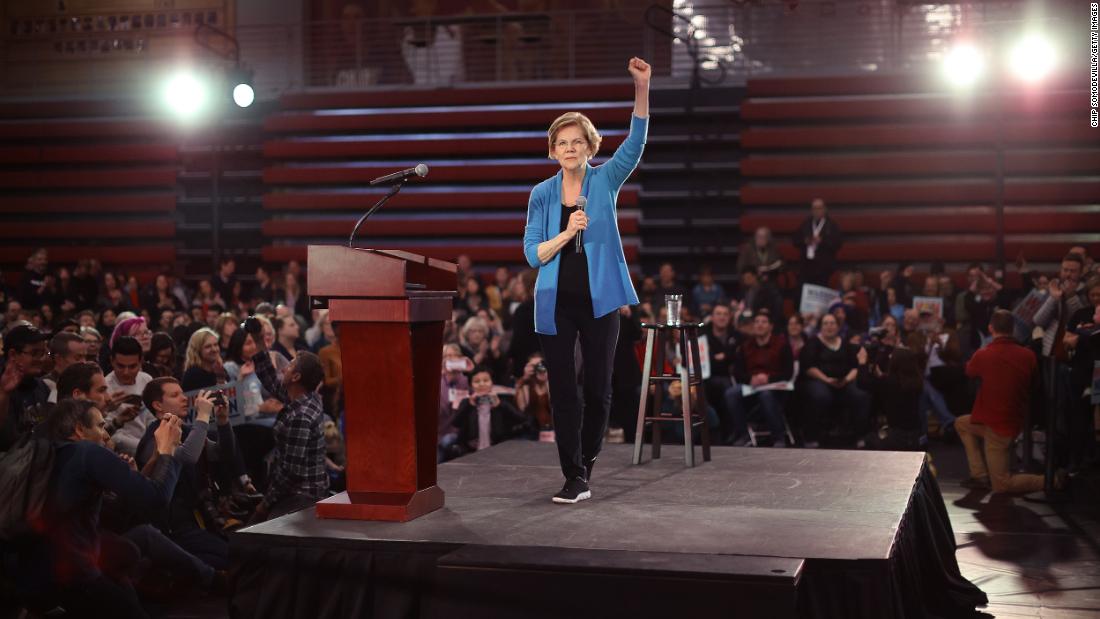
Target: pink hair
x=126 y=327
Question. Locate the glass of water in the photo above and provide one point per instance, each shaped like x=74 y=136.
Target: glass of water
x=672 y=304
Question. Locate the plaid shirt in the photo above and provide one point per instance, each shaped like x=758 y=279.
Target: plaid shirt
x=298 y=466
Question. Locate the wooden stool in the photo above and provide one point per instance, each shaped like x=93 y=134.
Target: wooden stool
x=693 y=410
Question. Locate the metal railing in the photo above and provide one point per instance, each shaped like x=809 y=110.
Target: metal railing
x=711 y=43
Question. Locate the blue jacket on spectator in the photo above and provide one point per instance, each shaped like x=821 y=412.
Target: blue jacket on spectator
x=608 y=275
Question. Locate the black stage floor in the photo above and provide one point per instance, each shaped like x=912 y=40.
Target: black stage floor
x=793 y=532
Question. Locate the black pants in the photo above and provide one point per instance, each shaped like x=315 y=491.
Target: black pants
x=578 y=431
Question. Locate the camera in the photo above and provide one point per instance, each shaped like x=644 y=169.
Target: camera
x=484 y=399
x=218 y=398
x=540 y=367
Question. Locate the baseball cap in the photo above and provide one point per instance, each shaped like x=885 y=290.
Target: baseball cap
x=23 y=335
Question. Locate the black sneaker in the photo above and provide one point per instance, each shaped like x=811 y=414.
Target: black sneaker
x=574 y=491
x=588 y=466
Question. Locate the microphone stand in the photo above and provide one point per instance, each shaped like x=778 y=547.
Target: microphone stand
x=377 y=205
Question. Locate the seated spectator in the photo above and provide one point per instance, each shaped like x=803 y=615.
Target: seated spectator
x=707 y=294
x=24 y=396
x=206 y=297
x=202 y=367
x=136 y=328
x=159 y=298
x=329 y=354
x=483 y=419
x=162 y=356
x=722 y=341
x=1008 y=373
x=298 y=476
x=239 y=367
x=672 y=405
x=667 y=283
x=757 y=296
x=224 y=326
x=763 y=359
x=896 y=393
x=127 y=379
x=263 y=291
x=188 y=522
x=67 y=564
x=829 y=369
x=796 y=334
x=65 y=349
x=479 y=344
x=292 y=294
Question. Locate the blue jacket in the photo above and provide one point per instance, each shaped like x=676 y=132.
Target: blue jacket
x=608 y=275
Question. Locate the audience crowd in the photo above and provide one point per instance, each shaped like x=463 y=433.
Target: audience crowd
x=176 y=414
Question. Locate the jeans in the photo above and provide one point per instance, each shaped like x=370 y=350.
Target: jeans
x=206 y=546
x=995 y=448
x=770 y=409
x=579 y=431
x=715 y=388
x=820 y=400
x=931 y=398
x=165 y=553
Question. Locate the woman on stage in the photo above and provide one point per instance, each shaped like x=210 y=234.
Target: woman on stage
x=582 y=278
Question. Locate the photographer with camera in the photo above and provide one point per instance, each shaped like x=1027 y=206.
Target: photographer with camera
x=192 y=519
x=453 y=388
x=484 y=419
x=896 y=392
x=533 y=395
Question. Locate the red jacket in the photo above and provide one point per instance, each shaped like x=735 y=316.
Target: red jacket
x=1007 y=370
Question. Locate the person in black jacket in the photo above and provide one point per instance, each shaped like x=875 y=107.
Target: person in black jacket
x=483 y=419
x=829 y=368
x=66 y=565
x=818 y=240
x=896 y=395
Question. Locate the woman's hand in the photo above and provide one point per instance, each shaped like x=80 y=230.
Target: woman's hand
x=861 y=356
x=640 y=71
x=577 y=221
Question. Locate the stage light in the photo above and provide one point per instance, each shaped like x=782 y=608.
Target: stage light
x=963 y=65
x=1032 y=58
x=243 y=95
x=185 y=95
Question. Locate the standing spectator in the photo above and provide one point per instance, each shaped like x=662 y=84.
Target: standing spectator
x=206 y=297
x=667 y=283
x=24 y=396
x=829 y=370
x=159 y=297
x=65 y=349
x=293 y=296
x=225 y=280
x=480 y=345
x=707 y=294
x=757 y=295
x=1008 y=372
x=818 y=240
x=125 y=384
x=760 y=254
x=32 y=287
x=763 y=359
x=203 y=365
x=264 y=290
x=498 y=291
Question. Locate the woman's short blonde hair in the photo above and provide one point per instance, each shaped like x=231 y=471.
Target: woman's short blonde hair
x=579 y=120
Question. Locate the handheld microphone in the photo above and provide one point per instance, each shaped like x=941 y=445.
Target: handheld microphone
x=581 y=203
x=420 y=170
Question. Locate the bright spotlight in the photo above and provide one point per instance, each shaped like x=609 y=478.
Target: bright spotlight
x=185 y=95
x=1032 y=58
x=243 y=95
x=963 y=65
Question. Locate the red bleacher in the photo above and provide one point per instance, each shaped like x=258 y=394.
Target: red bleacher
x=485 y=149
x=87 y=180
x=911 y=173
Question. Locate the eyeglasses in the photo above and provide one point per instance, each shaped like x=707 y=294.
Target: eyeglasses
x=576 y=144
x=34 y=353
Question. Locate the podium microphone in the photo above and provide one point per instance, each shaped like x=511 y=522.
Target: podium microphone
x=420 y=170
x=581 y=203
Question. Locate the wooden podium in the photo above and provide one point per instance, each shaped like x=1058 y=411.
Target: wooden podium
x=388 y=308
